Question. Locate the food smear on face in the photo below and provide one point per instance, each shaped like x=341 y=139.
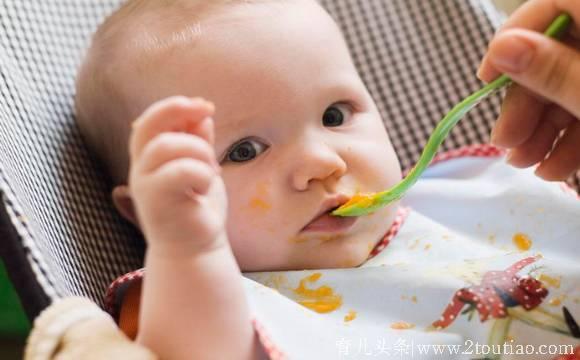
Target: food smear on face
x=258 y=203
x=522 y=241
x=325 y=238
x=402 y=325
x=260 y=200
x=322 y=299
x=350 y=316
x=320 y=237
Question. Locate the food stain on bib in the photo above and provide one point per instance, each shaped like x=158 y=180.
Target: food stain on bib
x=522 y=241
x=557 y=301
x=402 y=325
x=413 y=298
x=350 y=316
x=322 y=299
x=276 y=281
x=550 y=281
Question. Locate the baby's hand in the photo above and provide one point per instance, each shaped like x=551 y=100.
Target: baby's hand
x=540 y=118
x=174 y=178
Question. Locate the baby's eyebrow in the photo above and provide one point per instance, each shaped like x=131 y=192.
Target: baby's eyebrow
x=227 y=133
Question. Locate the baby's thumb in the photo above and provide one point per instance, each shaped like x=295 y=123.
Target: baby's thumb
x=541 y=64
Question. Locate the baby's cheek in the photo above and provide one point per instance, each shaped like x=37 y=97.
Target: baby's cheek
x=251 y=209
x=378 y=168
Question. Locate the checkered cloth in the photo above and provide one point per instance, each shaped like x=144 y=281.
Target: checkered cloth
x=60 y=234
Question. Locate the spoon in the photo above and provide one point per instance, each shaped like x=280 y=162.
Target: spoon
x=362 y=204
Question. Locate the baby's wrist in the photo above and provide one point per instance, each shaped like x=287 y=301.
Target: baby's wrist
x=166 y=248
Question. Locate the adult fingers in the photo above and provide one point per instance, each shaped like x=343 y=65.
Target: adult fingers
x=537 y=147
x=540 y=64
x=535 y=15
x=564 y=160
x=520 y=113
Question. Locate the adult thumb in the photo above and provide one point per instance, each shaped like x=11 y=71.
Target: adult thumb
x=540 y=64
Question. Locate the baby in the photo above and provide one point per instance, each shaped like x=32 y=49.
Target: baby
x=244 y=180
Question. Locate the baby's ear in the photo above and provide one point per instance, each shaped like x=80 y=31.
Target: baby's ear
x=124 y=203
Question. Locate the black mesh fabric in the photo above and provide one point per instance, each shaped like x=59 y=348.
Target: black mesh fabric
x=61 y=235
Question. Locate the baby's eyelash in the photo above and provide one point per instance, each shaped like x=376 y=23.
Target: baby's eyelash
x=224 y=157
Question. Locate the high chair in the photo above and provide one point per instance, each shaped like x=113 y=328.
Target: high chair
x=61 y=236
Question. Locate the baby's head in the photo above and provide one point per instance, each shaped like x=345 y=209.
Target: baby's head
x=297 y=133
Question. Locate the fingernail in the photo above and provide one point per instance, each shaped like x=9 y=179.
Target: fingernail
x=509 y=157
x=494 y=136
x=513 y=55
x=480 y=73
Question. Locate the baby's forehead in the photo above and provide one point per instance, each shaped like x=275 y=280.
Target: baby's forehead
x=240 y=45
x=286 y=19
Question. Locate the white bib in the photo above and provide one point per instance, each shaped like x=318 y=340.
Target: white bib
x=468 y=217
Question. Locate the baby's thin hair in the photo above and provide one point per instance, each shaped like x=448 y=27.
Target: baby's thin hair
x=130 y=40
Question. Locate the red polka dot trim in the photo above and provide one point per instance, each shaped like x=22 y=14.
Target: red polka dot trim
x=400 y=218
x=112 y=292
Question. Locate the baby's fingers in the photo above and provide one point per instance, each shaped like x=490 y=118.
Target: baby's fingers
x=182 y=177
x=174 y=114
x=172 y=146
x=564 y=160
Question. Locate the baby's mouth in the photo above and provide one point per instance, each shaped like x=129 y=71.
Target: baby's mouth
x=325 y=222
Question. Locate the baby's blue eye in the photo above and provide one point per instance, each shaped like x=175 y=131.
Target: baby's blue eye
x=245 y=150
x=335 y=115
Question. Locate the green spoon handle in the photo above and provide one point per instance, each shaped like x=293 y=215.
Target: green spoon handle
x=372 y=203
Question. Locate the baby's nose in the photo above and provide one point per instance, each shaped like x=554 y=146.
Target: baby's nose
x=320 y=163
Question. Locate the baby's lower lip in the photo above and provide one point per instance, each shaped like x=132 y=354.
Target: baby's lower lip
x=331 y=224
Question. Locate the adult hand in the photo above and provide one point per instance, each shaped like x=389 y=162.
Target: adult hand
x=540 y=117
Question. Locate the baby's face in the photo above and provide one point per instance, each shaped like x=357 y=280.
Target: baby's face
x=297 y=133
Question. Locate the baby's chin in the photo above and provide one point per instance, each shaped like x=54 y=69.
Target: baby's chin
x=323 y=250
x=354 y=249
x=330 y=252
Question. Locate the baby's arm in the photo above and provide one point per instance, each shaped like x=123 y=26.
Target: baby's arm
x=193 y=304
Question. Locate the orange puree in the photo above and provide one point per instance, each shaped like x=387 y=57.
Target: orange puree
x=550 y=281
x=522 y=241
x=257 y=203
x=322 y=299
x=260 y=200
x=557 y=301
x=364 y=200
x=350 y=316
x=402 y=325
